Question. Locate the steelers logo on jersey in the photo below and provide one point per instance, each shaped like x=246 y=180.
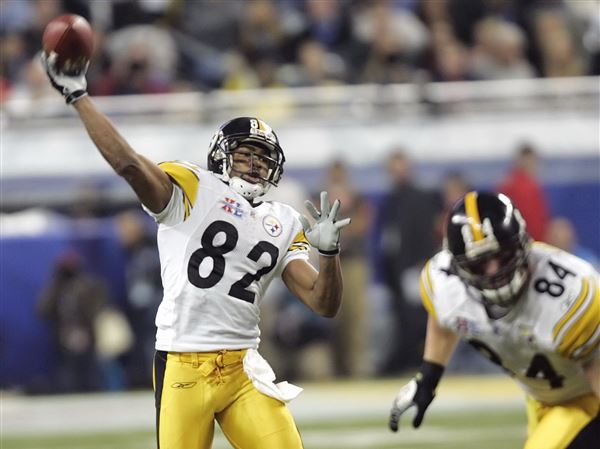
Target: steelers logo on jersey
x=272 y=226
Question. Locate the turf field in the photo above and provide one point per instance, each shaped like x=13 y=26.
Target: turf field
x=330 y=416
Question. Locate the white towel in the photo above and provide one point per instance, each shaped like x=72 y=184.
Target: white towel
x=262 y=376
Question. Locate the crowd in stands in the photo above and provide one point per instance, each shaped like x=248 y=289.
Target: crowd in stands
x=157 y=46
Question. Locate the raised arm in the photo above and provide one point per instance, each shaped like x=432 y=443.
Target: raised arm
x=152 y=186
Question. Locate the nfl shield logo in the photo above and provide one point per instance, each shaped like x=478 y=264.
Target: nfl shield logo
x=272 y=226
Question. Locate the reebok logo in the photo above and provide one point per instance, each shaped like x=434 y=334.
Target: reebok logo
x=182 y=385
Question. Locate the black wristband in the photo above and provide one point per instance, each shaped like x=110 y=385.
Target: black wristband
x=430 y=374
x=74 y=96
x=333 y=252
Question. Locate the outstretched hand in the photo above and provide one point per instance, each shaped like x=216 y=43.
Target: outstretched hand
x=414 y=393
x=72 y=87
x=324 y=234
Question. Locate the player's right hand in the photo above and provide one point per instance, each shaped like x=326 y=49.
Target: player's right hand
x=72 y=87
x=414 y=393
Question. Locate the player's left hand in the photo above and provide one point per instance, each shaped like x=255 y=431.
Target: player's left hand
x=414 y=393
x=324 y=234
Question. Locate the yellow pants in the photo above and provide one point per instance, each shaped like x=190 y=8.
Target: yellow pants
x=556 y=426
x=192 y=390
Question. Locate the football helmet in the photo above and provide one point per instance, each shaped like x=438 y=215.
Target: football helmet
x=483 y=226
x=254 y=133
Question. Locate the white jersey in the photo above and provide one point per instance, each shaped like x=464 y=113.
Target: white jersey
x=218 y=255
x=548 y=335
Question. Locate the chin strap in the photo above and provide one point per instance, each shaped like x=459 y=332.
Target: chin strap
x=247 y=189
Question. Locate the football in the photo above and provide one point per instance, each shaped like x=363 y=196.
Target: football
x=72 y=39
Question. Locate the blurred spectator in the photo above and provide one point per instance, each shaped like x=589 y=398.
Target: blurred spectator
x=261 y=33
x=213 y=23
x=14 y=59
x=328 y=23
x=464 y=15
x=114 y=338
x=71 y=303
x=239 y=75
x=561 y=233
x=522 y=186
x=351 y=334
x=451 y=62
x=143 y=61
x=401 y=25
x=32 y=84
x=407 y=217
x=316 y=67
x=263 y=41
x=560 y=57
x=89 y=202
x=144 y=292
x=499 y=52
x=395 y=40
x=205 y=31
x=586 y=13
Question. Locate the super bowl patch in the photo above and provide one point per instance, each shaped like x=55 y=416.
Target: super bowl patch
x=272 y=226
x=232 y=207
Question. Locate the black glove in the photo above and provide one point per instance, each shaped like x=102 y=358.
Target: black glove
x=418 y=392
x=72 y=87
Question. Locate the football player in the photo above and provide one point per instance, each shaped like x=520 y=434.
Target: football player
x=220 y=247
x=531 y=308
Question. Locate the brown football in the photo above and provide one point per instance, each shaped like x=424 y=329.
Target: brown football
x=72 y=39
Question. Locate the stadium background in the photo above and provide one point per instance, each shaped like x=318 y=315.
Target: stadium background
x=334 y=88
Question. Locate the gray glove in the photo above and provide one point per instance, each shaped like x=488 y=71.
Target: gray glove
x=324 y=234
x=72 y=87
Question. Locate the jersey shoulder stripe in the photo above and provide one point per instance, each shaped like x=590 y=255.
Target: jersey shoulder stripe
x=184 y=175
x=299 y=243
x=583 y=293
x=589 y=347
x=578 y=327
x=426 y=289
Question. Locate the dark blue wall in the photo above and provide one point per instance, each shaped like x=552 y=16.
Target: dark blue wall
x=26 y=350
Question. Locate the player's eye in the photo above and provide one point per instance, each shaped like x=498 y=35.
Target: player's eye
x=242 y=157
x=261 y=161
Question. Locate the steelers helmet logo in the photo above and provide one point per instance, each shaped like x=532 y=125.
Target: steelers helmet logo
x=272 y=226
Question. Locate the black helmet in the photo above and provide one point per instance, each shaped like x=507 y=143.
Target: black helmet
x=251 y=131
x=483 y=226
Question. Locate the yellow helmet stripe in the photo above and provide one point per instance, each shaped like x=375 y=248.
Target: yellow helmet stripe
x=473 y=215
